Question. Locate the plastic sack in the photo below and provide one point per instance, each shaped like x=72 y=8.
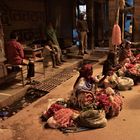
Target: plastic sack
x=92 y=119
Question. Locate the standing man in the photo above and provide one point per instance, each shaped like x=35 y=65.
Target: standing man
x=82 y=28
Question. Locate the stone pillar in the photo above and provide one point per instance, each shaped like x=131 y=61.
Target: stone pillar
x=74 y=12
x=112 y=18
x=2 y=53
x=3 y=71
x=90 y=20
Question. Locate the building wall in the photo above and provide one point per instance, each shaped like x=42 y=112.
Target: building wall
x=22 y=16
x=60 y=13
x=26 y=17
x=112 y=17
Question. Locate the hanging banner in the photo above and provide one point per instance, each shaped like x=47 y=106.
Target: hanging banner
x=116 y=35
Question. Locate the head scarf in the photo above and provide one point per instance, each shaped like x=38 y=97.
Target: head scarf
x=86 y=72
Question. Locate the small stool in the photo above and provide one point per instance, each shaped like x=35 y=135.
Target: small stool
x=18 y=68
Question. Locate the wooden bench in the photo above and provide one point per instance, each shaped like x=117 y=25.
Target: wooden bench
x=9 y=73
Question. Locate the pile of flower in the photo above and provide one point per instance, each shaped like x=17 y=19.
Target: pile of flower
x=110 y=101
x=92 y=108
x=135 y=70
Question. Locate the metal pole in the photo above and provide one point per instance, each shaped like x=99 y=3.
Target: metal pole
x=121 y=5
x=122 y=26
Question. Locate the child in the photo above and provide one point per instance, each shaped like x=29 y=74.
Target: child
x=49 y=50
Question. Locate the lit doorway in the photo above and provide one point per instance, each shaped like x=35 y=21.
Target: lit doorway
x=129 y=19
x=80 y=8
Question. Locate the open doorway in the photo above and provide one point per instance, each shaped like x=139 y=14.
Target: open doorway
x=129 y=19
x=79 y=9
x=82 y=10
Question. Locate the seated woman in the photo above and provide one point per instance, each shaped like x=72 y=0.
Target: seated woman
x=127 y=54
x=130 y=64
x=112 y=80
x=15 y=55
x=85 y=82
x=51 y=35
x=110 y=64
x=86 y=96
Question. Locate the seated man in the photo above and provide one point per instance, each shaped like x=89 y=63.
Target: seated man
x=15 y=55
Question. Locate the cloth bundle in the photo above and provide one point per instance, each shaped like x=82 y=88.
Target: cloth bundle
x=92 y=119
x=125 y=83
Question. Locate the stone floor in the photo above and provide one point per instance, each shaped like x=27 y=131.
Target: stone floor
x=26 y=125
x=12 y=91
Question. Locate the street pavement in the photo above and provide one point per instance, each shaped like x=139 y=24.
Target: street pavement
x=26 y=124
